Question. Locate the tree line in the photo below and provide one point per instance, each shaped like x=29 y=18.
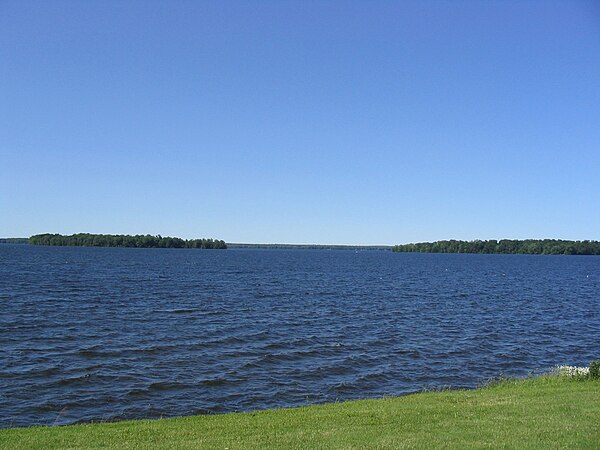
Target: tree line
x=124 y=240
x=505 y=246
x=310 y=246
x=13 y=240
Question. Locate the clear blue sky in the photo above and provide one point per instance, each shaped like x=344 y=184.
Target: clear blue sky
x=301 y=122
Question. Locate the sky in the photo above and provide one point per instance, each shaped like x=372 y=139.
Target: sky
x=324 y=122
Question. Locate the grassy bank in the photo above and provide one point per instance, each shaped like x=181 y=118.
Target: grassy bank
x=546 y=412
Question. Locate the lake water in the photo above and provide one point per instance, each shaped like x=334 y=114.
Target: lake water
x=113 y=333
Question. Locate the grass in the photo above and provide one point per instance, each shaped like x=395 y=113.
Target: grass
x=545 y=412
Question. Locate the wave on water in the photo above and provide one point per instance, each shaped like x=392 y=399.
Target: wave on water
x=123 y=334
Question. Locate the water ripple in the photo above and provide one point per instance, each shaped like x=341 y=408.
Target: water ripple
x=112 y=334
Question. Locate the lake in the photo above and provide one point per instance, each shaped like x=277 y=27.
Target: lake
x=90 y=334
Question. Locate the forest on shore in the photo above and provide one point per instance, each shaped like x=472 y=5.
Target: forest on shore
x=124 y=240
x=505 y=246
x=14 y=240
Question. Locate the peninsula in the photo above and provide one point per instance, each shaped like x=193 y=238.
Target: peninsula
x=505 y=246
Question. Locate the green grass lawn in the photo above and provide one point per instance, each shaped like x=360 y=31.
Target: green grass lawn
x=546 y=412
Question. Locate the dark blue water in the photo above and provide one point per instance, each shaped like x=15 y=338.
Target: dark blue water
x=104 y=334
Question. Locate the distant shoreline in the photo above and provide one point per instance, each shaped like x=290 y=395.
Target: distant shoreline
x=492 y=246
x=504 y=247
x=240 y=245
x=14 y=240
x=311 y=246
x=124 y=240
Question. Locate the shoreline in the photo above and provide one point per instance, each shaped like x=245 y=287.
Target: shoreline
x=544 y=412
